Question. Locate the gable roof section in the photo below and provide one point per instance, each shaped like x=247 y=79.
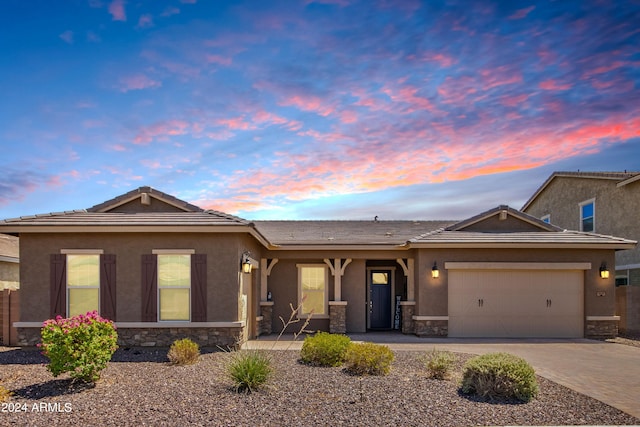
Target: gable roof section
x=142 y=193
x=623 y=178
x=503 y=212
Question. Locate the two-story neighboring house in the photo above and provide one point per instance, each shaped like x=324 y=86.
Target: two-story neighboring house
x=606 y=203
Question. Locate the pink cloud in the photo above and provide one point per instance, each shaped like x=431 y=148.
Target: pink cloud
x=408 y=95
x=441 y=58
x=170 y=11
x=522 y=13
x=217 y=59
x=116 y=9
x=118 y=147
x=145 y=21
x=137 y=82
x=551 y=84
x=308 y=103
x=161 y=131
x=513 y=101
x=235 y=123
x=499 y=76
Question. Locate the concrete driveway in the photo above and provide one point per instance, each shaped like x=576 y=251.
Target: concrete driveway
x=605 y=371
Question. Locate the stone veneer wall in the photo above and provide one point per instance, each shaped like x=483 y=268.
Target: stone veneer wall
x=601 y=329
x=431 y=328
x=156 y=337
x=408 y=310
x=337 y=318
x=266 y=324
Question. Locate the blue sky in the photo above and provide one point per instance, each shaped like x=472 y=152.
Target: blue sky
x=313 y=109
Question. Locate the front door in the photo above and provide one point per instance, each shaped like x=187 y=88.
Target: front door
x=380 y=284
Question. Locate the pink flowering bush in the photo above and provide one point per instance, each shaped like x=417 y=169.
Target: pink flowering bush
x=81 y=345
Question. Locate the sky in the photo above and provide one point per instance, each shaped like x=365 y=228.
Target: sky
x=326 y=109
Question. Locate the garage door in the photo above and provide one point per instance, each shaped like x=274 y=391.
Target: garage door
x=516 y=303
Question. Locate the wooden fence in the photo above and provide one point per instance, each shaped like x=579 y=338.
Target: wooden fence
x=9 y=313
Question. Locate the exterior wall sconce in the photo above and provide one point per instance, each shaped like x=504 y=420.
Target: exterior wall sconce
x=604 y=272
x=435 y=273
x=246 y=263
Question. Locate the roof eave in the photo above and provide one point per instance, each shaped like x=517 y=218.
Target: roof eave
x=520 y=245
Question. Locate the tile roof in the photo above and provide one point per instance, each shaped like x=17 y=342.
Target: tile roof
x=84 y=218
x=556 y=239
x=345 y=232
x=123 y=198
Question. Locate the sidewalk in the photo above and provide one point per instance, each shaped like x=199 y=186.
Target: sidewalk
x=605 y=371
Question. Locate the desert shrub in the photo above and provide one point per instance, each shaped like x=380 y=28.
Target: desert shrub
x=368 y=358
x=81 y=345
x=5 y=393
x=499 y=375
x=324 y=349
x=439 y=363
x=249 y=369
x=183 y=352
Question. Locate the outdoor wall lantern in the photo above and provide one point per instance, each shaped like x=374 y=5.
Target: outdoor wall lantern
x=246 y=263
x=435 y=273
x=604 y=272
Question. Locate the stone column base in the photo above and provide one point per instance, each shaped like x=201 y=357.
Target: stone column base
x=602 y=327
x=338 y=317
x=431 y=326
x=266 y=324
x=408 y=310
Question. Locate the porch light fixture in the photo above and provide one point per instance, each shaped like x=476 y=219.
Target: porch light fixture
x=246 y=263
x=435 y=273
x=604 y=272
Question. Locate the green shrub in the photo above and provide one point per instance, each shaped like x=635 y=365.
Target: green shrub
x=324 y=349
x=81 y=345
x=249 y=370
x=499 y=375
x=368 y=358
x=183 y=352
x=439 y=363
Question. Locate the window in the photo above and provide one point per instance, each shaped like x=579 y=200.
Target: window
x=83 y=283
x=546 y=218
x=587 y=216
x=174 y=286
x=312 y=289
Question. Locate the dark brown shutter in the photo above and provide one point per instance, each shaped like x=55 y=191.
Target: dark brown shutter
x=108 y=287
x=149 y=288
x=199 y=287
x=58 y=285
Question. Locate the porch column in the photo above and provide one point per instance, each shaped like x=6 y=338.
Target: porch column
x=337 y=307
x=409 y=272
x=266 y=307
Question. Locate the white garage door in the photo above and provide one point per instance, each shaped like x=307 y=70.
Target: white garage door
x=516 y=303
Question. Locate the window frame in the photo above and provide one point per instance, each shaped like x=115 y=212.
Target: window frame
x=69 y=288
x=581 y=206
x=172 y=252
x=324 y=315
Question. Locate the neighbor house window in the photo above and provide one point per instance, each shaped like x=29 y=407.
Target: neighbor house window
x=587 y=216
x=83 y=283
x=546 y=218
x=312 y=289
x=174 y=286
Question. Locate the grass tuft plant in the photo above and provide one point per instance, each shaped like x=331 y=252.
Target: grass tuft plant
x=324 y=349
x=499 y=376
x=249 y=370
x=439 y=364
x=368 y=359
x=184 y=352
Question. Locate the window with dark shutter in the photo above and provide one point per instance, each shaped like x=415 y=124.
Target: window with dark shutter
x=149 y=288
x=58 y=288
x=199 y=288
x=108 y=286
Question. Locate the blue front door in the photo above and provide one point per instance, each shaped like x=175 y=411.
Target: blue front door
x=380 y=299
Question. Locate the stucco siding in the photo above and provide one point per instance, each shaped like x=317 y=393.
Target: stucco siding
x=222 y=269
x=616 y=208
x=9 y=275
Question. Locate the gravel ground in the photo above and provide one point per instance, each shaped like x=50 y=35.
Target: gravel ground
x=139 y=387
x=631 y=340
